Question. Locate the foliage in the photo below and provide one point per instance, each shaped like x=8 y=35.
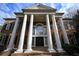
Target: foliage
x=71 y=49
x=0 y=32
x=76 y=21
x=0 y=36
x=0 y=27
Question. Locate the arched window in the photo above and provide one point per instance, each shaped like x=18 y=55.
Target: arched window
x=40 y=29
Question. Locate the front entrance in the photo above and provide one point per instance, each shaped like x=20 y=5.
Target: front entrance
x=39 y=41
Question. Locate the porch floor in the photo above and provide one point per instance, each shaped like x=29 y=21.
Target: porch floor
x=38 y=51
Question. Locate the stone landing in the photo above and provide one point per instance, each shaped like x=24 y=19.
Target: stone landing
x=6 y=53
x=38 y=52
x=35 y=52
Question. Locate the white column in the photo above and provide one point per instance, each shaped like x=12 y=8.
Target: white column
x=10 y=46
x=50 y=43
x=57 y=38
x=29 y=43
x=21 y=41
x=64 y=32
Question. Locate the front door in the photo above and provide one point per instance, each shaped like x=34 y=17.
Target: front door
x=39 y=41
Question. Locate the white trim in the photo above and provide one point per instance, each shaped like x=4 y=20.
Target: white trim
x=19 y=15
x=43 y=26
x=44 y=42
x=44 y=38
x=34 y=41
x=39 y=13
x=39 y=35
x=51 y=13
x=38 y=24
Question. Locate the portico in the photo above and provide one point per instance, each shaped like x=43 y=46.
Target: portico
x=38 y=27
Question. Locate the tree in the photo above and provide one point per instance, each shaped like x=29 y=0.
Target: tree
x=76 y=21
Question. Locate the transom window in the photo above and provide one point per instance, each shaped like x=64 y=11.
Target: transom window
x=40 y=29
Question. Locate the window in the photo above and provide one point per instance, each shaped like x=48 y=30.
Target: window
x=65 y=24
x=7 y=26
x=40 y=30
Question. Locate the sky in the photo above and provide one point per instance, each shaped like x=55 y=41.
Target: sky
x=7 y=9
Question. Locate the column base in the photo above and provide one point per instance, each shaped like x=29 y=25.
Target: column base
x=28 y=51
x=8 y=49
x=19 y=51
x=51 y=50
x=60 y=50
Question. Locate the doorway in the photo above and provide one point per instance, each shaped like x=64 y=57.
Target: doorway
x=39 y=41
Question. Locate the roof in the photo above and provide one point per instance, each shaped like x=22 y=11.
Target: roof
x=39 y=6
x=18 y=13
x=9 y=18
x=59 y=13
x=67 y=18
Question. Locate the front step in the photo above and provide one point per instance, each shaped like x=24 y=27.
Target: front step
x=38 y=54
x=7 y=53
x=32 y=54
x=35 y=53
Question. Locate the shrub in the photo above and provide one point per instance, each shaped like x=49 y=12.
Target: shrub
x=0 y=36
x=71 y=48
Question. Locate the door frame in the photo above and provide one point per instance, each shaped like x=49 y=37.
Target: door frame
x=34 y=42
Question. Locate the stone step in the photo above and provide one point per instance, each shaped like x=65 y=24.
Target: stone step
x=35 y=52
x=0 y=52
x=32 y=54
x=6 y=53
x=38 y=54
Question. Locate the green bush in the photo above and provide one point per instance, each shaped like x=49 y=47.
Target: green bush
x=71 y=48
x=0 y=36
